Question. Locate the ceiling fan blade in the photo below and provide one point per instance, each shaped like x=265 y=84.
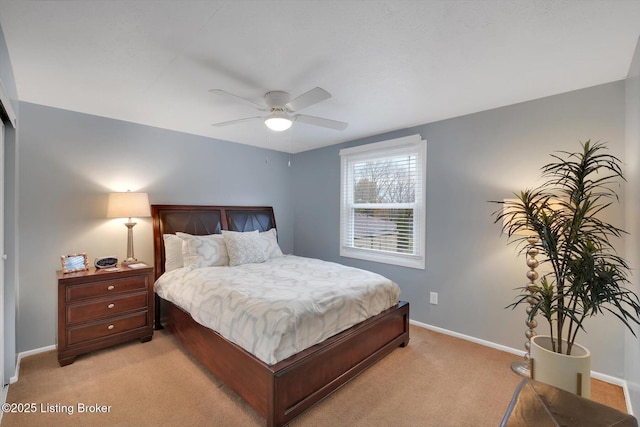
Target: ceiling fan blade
x=248 y=101
x=320 y=121
x=233 y=122
x=311 y=97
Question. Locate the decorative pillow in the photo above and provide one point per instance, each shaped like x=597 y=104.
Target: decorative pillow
x=270 y=244
x=172 y=252
x=203 y=251
x=244 y=248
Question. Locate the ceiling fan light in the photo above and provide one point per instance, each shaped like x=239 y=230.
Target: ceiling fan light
x=278 y=122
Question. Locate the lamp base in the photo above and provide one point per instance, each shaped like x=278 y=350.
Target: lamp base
x=130 y=258
x=521 y=368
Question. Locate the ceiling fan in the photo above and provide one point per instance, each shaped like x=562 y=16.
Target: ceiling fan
x=282 y=109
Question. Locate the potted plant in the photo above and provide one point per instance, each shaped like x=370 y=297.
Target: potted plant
x=585 y=276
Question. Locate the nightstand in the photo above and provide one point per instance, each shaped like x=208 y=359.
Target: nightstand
x=100 y=308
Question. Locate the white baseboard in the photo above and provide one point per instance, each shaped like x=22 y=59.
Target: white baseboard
x=28 y=353
x=3 y=398
x=597 y=375
x=5 y=390
x=627 y=398
x=469 y=338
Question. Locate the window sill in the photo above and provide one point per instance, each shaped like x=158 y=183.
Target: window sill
x=410 y=261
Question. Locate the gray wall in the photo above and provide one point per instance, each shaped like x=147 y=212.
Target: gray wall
x=70 y=161
x=9 y=180
x=632 y=200
x=6 y=72
x=470 y=160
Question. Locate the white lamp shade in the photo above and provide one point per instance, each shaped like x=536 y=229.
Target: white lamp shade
x=128 y=205
x=553 y=204
x=278 y=122
x=509 y=214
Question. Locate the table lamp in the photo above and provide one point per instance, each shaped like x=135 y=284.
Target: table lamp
x=128 y=205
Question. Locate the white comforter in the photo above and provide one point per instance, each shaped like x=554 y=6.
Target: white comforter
x=279 y=307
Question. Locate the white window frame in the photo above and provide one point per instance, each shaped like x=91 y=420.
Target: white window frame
x=411 y=144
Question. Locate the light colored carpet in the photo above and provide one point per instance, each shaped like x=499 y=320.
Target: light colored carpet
x=437 y=380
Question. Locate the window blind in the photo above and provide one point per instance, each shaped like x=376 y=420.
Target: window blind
x=382 y=206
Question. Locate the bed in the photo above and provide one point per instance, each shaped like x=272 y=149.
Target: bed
x=283 y=390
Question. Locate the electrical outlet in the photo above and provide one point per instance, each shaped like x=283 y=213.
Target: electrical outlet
x=433 y=298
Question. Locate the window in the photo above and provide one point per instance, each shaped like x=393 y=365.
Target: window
x=382 y=212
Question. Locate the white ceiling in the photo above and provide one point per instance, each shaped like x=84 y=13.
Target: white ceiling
x=388 y=64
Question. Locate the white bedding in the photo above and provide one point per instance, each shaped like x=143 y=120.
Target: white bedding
x=279 y=307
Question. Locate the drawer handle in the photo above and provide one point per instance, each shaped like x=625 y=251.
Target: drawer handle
x=111 y=305
x=110 y=327
x=110 y=287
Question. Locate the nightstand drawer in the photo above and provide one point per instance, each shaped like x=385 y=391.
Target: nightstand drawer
x=105 y=308
x=106 y=287
x=107 y=328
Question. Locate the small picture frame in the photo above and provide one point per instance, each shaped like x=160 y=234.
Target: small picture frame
x=74 y=262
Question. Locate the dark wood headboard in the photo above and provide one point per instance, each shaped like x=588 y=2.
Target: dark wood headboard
x=203 y=220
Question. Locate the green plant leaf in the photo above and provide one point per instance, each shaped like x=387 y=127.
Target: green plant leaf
x=587 y=276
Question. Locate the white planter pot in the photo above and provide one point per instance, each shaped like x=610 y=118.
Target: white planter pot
x=561 y=370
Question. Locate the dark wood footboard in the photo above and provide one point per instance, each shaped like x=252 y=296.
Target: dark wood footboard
x=283 y=391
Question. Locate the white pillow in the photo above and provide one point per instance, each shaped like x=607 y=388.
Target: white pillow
x=244 y=247
x=203 y=251
x=270 y=244
x=172 y=252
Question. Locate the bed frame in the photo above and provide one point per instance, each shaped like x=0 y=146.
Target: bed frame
x=282 y=391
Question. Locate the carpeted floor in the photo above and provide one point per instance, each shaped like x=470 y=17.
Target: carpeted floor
x=437 y=380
